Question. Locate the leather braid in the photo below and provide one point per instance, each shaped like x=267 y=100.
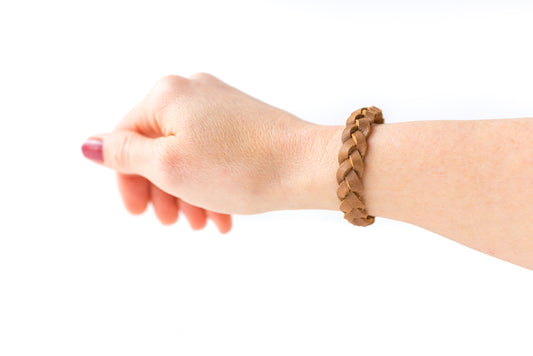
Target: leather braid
x=351 y=157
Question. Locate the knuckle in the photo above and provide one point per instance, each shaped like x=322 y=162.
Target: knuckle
x=166 y=90
x=172 y=79
x=170 y=84
x=120 y=155
x=202 y=76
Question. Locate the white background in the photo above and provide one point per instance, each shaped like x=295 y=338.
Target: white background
x=79 y=276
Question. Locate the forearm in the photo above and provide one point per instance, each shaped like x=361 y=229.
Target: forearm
x=470 y=181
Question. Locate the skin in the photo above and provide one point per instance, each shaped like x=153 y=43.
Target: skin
x=200 y=146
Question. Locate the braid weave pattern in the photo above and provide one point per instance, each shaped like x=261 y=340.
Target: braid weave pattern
x=351 y=157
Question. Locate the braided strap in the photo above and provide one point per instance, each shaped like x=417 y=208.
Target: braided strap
x=351 y=156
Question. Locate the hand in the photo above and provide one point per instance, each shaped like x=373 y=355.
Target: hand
x=206 y=148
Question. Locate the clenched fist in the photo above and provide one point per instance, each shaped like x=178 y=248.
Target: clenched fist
x=203 y=147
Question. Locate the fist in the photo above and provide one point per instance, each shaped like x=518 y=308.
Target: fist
x=198 y=143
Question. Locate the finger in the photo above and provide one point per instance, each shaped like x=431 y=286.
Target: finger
x=147 y=117
x=222 y=221
x=127 y=152
x=196 y=216
x=165 y=205
x=135 y=192
x=142 y=120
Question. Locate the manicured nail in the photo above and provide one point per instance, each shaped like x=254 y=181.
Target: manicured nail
x=93 y=149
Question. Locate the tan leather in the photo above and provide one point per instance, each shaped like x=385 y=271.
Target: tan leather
x=351 y=164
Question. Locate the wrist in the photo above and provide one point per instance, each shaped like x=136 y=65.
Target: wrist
x=311 y=168
x=313 y=162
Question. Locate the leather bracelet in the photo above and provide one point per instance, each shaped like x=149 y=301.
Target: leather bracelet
x=351 y=164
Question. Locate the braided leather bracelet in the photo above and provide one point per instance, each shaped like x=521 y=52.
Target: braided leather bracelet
x=351 y=156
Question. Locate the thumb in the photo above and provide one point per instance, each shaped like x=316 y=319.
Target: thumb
x=124 y=151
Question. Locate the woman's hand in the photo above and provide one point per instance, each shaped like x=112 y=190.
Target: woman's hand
x=206 y=148
x=212 y=150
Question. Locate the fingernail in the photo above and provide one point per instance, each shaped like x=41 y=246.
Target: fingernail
x=93 y=149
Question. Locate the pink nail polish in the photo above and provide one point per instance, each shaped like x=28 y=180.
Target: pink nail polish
x=93 y=149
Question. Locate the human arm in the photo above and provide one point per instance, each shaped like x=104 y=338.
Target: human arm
x=218 y=149
x=468 y=180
